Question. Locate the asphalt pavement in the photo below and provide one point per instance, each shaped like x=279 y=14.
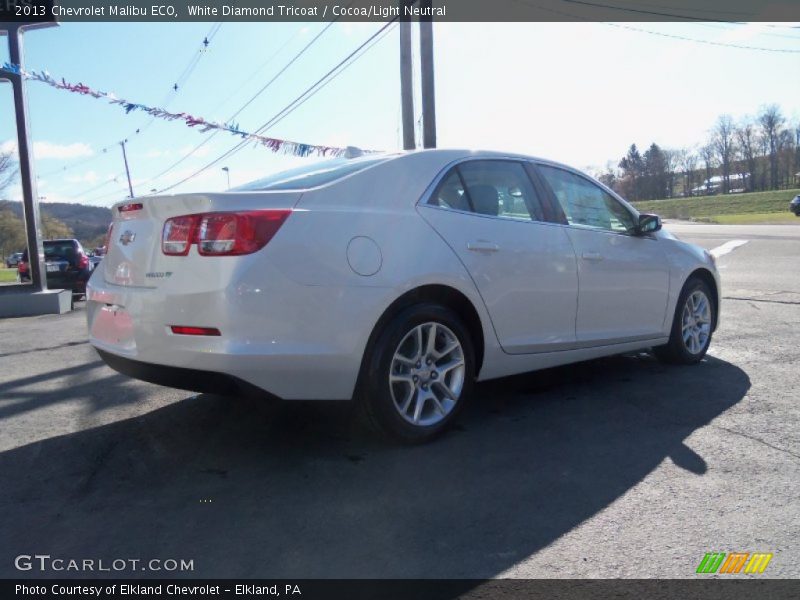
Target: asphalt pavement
x=620 y=467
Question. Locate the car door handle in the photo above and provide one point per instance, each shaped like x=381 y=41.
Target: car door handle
x=592 y=256
x=482 y=246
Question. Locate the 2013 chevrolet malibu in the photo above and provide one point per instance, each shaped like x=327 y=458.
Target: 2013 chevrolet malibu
x=394 y=280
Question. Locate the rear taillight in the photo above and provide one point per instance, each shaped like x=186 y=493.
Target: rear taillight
x=83 y=262
x=228 y=234
x=178 y=235
x=222 y=233
x=22 y=267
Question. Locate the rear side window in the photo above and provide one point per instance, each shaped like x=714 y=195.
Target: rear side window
x=585 y=203
x=65 y=250
x=496 y=188
x=58 y=249
x=451 y=194
x=310 y=176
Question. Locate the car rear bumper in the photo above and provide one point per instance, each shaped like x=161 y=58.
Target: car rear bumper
x=293 y=341
x=185 y=379
x=75 y=282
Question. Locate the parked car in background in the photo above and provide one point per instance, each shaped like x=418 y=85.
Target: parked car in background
x=13 y=259
x=95 y=258
x=397 y=280
x=794 y=205
x=68 y=266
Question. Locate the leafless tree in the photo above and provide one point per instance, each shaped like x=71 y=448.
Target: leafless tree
x=796 y=169
x=607 y=176
x=12 y=230
x=771 y=121
x=672 y=162
x=786 y=151
x=722 y=140
x=8 y=170
x=687 y=158
x=708 y=155
x=747 y=147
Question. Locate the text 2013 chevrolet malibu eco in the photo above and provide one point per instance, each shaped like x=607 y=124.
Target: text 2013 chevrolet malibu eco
x=395 y=280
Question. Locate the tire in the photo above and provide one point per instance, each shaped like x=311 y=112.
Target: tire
x=690 y=349
x=398 y=355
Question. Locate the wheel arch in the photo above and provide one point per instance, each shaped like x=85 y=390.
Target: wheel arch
x=708 y=278
x=440 y=294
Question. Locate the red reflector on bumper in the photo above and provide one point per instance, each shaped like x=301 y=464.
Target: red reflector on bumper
x=186 y=330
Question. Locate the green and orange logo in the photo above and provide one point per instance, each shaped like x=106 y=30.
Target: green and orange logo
x=734 y=562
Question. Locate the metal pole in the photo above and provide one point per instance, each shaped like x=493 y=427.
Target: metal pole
x=406 y=86
x=30 y=199
x=426 y=73
x=228 y=175
x=127 y=171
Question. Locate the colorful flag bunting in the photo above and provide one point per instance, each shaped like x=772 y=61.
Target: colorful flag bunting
x=273 y=144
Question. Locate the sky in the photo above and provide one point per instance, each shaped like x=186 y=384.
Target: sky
x=579 y=93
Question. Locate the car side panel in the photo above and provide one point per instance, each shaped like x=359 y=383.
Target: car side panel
x=684 y=259
x=624 y=286
x=275 y=307
x=410 y=255
x=529 y=281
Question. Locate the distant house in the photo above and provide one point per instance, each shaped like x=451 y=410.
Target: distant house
x=713 y=185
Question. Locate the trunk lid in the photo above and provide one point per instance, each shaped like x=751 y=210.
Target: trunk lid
x=134 y=257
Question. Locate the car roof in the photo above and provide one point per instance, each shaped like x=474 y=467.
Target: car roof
x=444 y=157
x=456 y=153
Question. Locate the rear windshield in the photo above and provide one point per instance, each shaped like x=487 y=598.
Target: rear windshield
x=310 y=176
x=64 y=249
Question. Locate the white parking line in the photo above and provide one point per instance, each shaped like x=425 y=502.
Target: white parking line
x=727 y=248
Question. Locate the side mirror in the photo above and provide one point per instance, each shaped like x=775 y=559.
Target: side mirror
x=648 y=224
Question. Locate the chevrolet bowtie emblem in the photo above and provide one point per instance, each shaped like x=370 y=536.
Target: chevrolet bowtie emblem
x=127 y=237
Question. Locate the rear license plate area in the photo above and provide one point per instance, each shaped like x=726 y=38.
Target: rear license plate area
x=113 y=325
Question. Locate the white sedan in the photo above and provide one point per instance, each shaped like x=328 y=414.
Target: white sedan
x=395 y=280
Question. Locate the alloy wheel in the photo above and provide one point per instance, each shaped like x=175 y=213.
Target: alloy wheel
x=426 y=375
x=696 y=322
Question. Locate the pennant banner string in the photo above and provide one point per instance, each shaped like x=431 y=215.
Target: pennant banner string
x=198 y=123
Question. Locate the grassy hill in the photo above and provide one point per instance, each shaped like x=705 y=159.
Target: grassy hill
x=758 y=207
x=87 y=222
